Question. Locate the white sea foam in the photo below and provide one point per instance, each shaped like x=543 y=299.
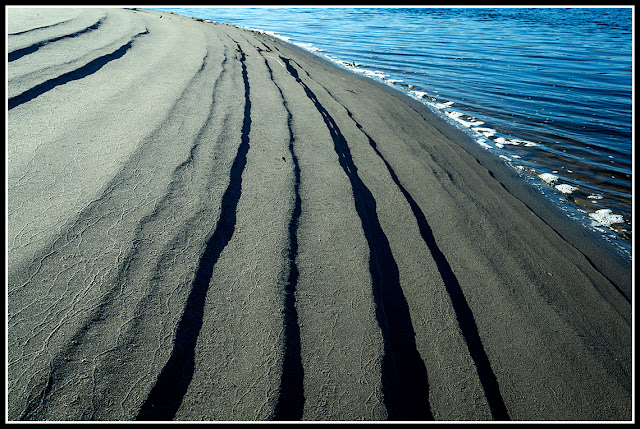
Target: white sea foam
x=308 y=46
x=548 y=178
x=418 y=94
x=483 y=142
x=277 y=36
x=442 y=105
x=487 y=132
x=566 y=189
x=606 y=217
x=595 y=197
x=374 y=73
x=457 y=116
x=525 y=142
x=515 y=142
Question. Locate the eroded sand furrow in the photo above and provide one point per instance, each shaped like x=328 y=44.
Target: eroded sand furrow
x=109 y=320
x=171 y=386
x=80 y=73
x=238 y=361
x=38 y=29
x=19 y=53
x=463 y=312
x=341 y=343
x=404 y=376
x=290 y=403
x=150 y=310
x=101 y=130
x=37 y=24
x=41 y=62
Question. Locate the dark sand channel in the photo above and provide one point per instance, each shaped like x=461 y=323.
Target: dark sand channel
x=206 y=223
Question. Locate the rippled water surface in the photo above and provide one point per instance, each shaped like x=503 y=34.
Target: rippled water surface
x=547 y=89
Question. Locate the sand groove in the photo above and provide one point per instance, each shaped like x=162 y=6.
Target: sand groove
x=166 y=396
x=463 y=312
x=290 y=403
x=341 y=347
x=37 y=29
x=404 y=376
x=115 y=317
x=19 y=53
x=79 y=73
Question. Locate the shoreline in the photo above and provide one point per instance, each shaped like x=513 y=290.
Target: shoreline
x=586 y=207
x=241 y=230
x=592 y=244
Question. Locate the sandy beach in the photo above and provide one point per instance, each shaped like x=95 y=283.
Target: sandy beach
x=207 y=223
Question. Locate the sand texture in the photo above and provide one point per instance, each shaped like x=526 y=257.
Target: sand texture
x=206 y=223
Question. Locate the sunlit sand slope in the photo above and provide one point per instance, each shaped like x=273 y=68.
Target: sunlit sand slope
x=206 y=223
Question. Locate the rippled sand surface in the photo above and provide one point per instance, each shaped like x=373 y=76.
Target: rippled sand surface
x=206 y=223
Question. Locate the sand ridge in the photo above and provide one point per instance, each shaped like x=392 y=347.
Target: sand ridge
x=206 y=223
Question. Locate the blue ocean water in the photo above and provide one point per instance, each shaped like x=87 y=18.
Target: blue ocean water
x=549 y=90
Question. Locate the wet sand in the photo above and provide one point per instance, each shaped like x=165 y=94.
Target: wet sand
x=206 y=223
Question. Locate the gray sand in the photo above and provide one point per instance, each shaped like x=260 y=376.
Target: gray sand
x=205 y=223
